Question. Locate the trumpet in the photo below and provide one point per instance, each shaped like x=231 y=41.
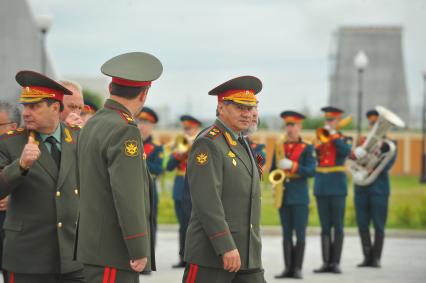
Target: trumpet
x=276 y=178
x=324 y=135
x=182 y=144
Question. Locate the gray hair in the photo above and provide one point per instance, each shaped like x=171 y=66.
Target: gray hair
x=12 y=110
x=67 y=83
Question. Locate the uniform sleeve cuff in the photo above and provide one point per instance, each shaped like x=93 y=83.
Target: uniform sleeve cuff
x=137 y=246
x=223 y=242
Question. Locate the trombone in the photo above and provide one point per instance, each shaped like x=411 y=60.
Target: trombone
x=323 y=134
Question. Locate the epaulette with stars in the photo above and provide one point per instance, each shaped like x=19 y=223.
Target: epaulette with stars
x=10 y=134
x=213 y=132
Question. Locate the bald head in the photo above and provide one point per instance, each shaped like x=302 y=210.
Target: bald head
x=72 y=103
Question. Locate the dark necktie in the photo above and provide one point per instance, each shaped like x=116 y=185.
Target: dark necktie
x=54 y=151
x=244 y=144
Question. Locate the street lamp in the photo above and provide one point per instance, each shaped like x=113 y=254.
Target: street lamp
x=360 y=63
x=44 y=23
x=423 y=168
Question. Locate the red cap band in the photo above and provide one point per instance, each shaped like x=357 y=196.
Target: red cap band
x=125 y=82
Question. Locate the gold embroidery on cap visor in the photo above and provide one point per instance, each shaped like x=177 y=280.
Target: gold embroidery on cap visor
x=30 y=95
x=245 y=97
x=202 y=158
x=131 y=148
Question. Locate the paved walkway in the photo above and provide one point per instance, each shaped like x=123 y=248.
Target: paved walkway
x=404 y=261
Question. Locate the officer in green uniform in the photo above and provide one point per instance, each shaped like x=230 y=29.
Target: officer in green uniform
x=38 y=172
x=178 y=160
x=331 y=188
x=223 y=238
x=371 y=205
x=298 y=162
x=92 y=103
x=146 y=120
x=115 y=224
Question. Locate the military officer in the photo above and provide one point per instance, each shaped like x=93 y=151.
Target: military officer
x=38 y=172
x=258 y=149
x=296 y=157
x=92 y=103
x=10 y=119
x=330 y=188
x=115 y=224
x=178 y=160
x=146 y=120
x=371 y=205
x=223 y=238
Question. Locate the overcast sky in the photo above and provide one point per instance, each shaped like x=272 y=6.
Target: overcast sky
x=203 y=43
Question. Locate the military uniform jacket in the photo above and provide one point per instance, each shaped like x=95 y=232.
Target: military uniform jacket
x=380 y=186
x=296 y=181
x=178 y=162
x=330 y=155
x=116 y=197
x=225 y=191
x=154 y=156
x=42 y=211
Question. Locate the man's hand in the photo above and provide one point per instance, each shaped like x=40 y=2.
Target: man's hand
x=30 y=154
x=73 y=120
x=138 y=265
x=3 y=203
x=232 y=261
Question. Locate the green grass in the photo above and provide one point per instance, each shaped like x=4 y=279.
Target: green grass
x=407 y=205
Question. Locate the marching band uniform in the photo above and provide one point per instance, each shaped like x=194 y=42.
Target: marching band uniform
x=330 y=190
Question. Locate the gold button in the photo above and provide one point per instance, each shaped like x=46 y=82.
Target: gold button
x=58 y=193
x=76 y=191
x=59 y=224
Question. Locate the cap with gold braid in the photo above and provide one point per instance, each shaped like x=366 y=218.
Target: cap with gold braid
x=240 y=90
x=37 y=87
x=331 y=112
x=292 y=117
x=189 y=121
x=147 y=114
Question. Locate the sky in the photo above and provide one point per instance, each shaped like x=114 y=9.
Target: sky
x=285 y=43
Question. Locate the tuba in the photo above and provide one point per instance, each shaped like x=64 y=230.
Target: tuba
x=323 y=134
x=277 y=176
x=366 y=169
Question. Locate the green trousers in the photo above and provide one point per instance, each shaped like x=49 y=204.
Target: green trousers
x=73 y=277
x=199 y=274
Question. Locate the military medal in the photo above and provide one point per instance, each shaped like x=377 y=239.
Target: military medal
x=234 y=162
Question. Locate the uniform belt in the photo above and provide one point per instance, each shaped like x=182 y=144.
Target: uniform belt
x=292 y=176
x=331 y=169
x=180 y=173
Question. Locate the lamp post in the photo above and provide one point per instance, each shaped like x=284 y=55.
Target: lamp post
x=360 y=63
x=44 y=23
x=423 y=164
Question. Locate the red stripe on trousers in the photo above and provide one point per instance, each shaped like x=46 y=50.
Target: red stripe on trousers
x=113 y=274
x=106 y=275
x=194 y=274
x=11 y=277
x=188 y=279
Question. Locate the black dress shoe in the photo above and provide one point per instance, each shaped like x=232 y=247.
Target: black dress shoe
x=285 y=274
x=335 y=268
x=297 y=273
x=323 y=268
x=180 y=264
